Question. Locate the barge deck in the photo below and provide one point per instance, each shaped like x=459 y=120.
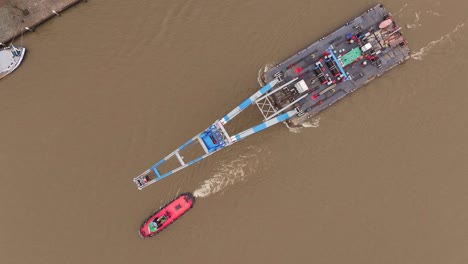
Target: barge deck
x=336 y=65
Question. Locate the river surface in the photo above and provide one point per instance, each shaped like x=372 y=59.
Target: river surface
x=110 y=87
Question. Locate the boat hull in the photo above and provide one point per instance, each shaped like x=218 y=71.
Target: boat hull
x=169 y=213
x=10 y=59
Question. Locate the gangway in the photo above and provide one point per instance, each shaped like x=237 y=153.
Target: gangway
x=215 y=137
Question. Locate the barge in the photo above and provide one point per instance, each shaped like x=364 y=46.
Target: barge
x=302 y=86
x=336 y=65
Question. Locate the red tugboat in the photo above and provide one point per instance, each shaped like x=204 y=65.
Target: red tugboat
x=166 y=215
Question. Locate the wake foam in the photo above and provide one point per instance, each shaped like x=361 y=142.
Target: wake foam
x=401 y=10
x=418 y=55
x=433 y=13
x=262 y=71
x=314 y=123
x=230 y=172
x=415 y=22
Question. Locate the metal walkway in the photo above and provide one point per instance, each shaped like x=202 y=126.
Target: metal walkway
x=215 y=137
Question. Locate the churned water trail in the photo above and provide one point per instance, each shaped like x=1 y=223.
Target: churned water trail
x=431 y=12
x=313 y=123
x=401 y=9
x=230 y=172
x=415 y=22
x=262 y=71
x=418 y=55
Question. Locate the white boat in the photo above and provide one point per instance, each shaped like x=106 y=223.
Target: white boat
x=10 y=59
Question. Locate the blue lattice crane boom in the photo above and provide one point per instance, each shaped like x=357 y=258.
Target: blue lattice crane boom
x=214 y=138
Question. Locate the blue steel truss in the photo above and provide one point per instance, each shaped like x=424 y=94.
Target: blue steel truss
x=214 y=138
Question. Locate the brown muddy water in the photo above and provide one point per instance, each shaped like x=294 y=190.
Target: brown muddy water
x=108 y=89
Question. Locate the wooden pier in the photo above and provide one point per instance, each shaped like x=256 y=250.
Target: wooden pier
x=20 y=16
